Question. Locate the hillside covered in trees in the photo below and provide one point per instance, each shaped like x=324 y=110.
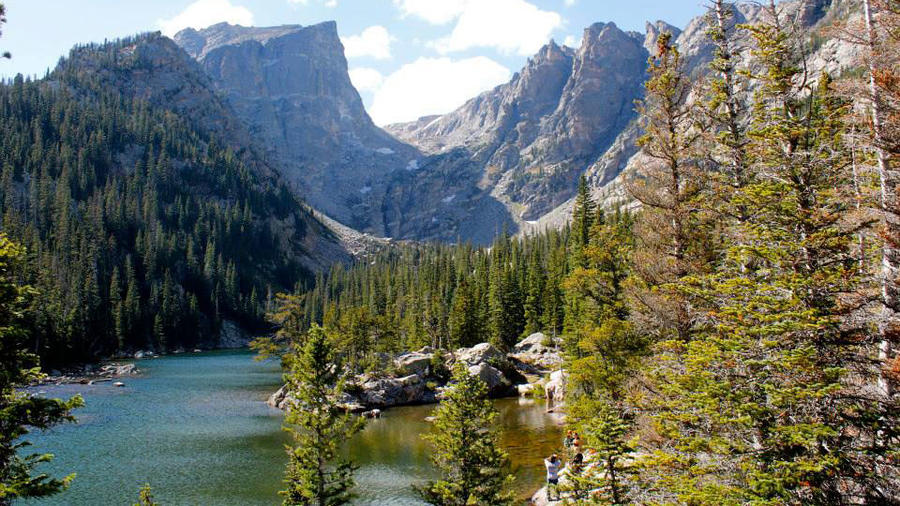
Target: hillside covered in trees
x=148 y=218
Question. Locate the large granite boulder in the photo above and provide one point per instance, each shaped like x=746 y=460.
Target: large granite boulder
x=386 y=392
x=278 y=399
x=533 y=350
x=555 y=389
x=498 y=384
x=478 y=354
x=416 y=362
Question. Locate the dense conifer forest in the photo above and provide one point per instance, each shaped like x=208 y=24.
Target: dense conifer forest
x=142 y=230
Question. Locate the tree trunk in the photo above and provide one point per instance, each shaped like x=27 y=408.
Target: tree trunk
x=890 y=221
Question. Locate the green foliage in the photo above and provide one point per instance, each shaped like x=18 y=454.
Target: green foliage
x=20 y=411
x=474 y=471
x=144 y=230
x=444 y=296
x=145 y=497
x=317 y=473
x=611 y=477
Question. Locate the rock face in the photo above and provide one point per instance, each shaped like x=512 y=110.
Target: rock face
x=416 y=362
x=232 y=335
x=480 y=353
x=533 y=136
x=290 y=86
x=386 y=392
x=608 y=175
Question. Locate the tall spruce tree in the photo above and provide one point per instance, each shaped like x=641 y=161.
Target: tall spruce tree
x=317 y=474
x=670 y=227
x=474 y=470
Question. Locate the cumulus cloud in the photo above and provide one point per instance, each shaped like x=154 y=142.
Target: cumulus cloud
x=331 y=3
x=433 y=86
x=569 y=3
x=572 y=41
x=436 y=12
x=203 y=13
x=374 y=41
x=510 y=26
x=365 y=78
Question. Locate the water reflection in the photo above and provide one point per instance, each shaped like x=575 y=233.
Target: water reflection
x=195 y=427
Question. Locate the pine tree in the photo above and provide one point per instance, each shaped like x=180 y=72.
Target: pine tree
x=465 y=329
x=145 y=497
x=21 y=412
x=607 y=432
x=670 y=227
x=473 y=469
x=758 y=406
x=317 y=474
x=582 y=219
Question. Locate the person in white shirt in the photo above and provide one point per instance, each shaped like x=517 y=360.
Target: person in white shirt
x=552 y=464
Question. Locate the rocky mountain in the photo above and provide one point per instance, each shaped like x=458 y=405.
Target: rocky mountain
x=535 y=135
x=152 y=218
x=290 y=86
x=154 y=69
x=508 y=158
x=624 y=160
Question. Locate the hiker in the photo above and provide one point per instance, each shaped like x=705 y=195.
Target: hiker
x=573 y=470
x=568 y=440
x=552 y=464
x=576 y=443
x=576 y=464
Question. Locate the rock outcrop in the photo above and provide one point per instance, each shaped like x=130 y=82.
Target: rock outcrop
x=416 y=362
x=537 y=350
x=416 y=383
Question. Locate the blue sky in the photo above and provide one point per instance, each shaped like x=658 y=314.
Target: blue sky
x=407 y=57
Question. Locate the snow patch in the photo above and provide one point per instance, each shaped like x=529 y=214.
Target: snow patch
x=365 y=189
x=385 y=151
x=412 y=165
x=449 y=199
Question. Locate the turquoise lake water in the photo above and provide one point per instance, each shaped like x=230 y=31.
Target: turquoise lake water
x=196 y=428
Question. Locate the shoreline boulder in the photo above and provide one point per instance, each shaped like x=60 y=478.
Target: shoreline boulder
x=533 y=350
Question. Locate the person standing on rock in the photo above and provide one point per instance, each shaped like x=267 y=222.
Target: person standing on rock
x=552 y=464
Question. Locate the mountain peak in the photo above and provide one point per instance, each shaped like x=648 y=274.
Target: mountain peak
x=654 y=30
x=198 y=43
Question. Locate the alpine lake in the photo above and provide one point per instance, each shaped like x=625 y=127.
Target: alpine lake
x=197 y=429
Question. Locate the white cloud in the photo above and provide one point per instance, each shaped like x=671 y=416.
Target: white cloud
x=365 y=78
x=569 y=3
x=374 y=41
x=436 y=12
x=433 y=86
x=203 y=13
x=506 y=25
x=301 y=2
x=572 y=41
x=331 y=3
